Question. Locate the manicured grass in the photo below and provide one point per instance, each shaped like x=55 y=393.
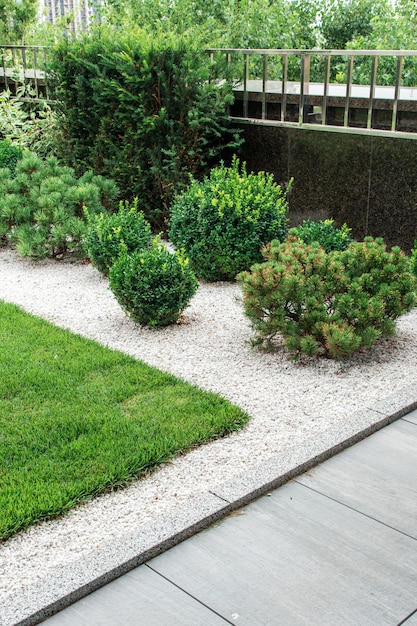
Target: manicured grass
x=77 y=418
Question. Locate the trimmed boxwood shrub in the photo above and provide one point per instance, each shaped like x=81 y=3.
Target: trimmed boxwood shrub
x=324 y=232
x=10 y=154
x=331 y=303
x=153 y=285
x=109 y=233
x=223 y=221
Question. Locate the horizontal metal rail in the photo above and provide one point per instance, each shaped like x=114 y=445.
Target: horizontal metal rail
x=249 y=73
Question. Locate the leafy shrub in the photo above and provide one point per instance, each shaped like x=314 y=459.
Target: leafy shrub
x=413 y=261
x=153 y=285
x=10 y=154
x=223 y=221
x=144 y=110
x=323 y=231
x=332 y=303
x=42 y=211
x=108 y=234
x=29 y=125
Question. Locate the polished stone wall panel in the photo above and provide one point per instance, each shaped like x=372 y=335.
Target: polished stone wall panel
x=368 y=182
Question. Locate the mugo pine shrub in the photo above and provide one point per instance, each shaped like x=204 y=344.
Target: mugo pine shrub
x=223 y=221
x=153 y=285
x=332 y=303
x=413 y=260
x=110 y=233
x=42 y=210
x=323 y=231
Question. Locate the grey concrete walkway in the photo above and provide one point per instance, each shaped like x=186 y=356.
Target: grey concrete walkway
x=336 y=546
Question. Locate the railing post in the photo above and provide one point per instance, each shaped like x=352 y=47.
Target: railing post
x=45 y=58
x=304 y=87
x=348 y=89
x=35 y=69
x=325 y=90
x=264 y=84
x=3 y=62
x=24 y=65
x=284 y=87
x=245 y=87
x=372 y=91
x=400 y=60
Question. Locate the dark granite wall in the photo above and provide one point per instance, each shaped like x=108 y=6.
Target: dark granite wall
x=368 y=182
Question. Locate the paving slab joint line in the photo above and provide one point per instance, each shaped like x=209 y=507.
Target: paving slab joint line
x=216 y=516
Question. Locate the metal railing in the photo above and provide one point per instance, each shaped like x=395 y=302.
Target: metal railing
x=24 y=66
x=355 y=91
x=301 y=87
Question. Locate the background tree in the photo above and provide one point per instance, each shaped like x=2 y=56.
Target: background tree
x=345 y=20
x=16 y=17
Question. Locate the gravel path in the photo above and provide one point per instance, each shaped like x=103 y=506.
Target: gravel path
x=294 y=407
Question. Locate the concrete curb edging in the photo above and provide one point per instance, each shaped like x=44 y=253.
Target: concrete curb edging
x=112 y=561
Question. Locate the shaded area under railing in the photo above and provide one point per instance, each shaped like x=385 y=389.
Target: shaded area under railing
x=316 y=89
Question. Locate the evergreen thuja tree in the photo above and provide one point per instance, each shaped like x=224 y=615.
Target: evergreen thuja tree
x=144 y=110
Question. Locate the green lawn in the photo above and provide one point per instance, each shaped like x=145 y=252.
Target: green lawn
x=77 y=418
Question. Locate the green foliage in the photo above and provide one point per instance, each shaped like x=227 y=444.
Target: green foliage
x=153 y=285
x=42 y=211
x=223 y=221
x=224 y=23
x=343 y=20
x=10 y=154
x=413 y=260
x=77 y=419
x=300 y=24
x=144 y=110
x=393 y=28
x=332 y=303
x=31 y=126
x=323 y=231
x=109 y=234
x=16 y=17
x=208 y=17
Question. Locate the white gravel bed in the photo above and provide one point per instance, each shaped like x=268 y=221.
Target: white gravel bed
x=292 y=405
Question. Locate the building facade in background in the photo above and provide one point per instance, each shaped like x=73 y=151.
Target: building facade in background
x=82 y=11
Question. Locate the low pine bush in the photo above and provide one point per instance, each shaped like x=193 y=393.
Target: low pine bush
x=324 y=232
x=330 y=303
x=413 y=261
x=109 y=233
x=153 y=285
x=42 y=210
x=223 y=221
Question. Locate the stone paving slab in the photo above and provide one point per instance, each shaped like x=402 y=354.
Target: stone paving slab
x=411 y=417
x=301 y=555
x=378 y=477
x=411 y=621
x=139 y=597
